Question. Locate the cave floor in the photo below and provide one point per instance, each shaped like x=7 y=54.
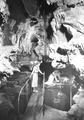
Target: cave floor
x=35 y=110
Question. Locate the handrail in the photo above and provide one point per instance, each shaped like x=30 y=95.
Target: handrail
x=28 y=79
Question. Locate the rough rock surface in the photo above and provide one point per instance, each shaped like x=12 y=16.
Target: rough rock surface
x=68 y=19
x=34 y=110
x=66 y=2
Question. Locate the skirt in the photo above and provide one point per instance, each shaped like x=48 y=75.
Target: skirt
x=35 y=80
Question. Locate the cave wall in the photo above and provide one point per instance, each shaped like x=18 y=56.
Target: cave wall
x=17 y=10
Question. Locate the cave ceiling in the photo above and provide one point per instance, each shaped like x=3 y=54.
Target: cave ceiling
x=21 y=9
x=17 y=10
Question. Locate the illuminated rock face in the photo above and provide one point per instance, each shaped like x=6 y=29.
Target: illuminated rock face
x=70 y=2
x=77 y=109
x=79 y=98
x=67 y=2
x=68 y=21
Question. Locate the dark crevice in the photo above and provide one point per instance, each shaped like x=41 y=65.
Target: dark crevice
x=66 y=32
x=71 y=6
x=49 y=32
x=1 y=19
x=62 y=51
x=44 y=8
x=34 y=39
x=49 y=29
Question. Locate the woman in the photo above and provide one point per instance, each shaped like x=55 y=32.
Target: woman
x=35 y=72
